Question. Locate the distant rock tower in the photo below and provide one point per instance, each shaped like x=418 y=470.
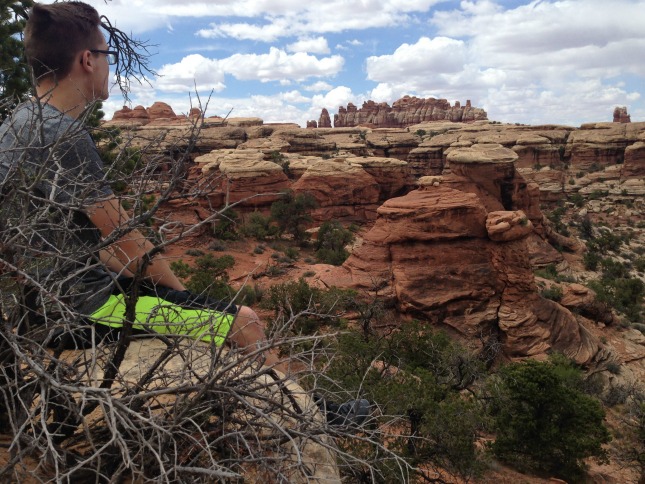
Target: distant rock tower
x=621 y=116
x=325 y=120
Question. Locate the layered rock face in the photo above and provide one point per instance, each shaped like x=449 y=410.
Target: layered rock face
x=324 y=121
x=405 y=112
x=459 y=256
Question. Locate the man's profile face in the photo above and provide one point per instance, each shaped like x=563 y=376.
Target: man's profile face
x=101 y=89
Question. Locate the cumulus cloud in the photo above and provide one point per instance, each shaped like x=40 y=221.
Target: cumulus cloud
x=193 y=70
x=318 y=86
x=289 y=18
x=419 y=65
x=277 y=64
x=317 y=45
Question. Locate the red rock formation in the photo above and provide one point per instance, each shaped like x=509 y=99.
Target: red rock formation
x=312 y=124
x=621 y=116
x=161 y=110
x=452 y=256
x=324 y=121
x=138 y=113
x=342 y=191
x=405 y=112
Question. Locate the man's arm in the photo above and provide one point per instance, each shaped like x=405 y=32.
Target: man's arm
x=128 y=251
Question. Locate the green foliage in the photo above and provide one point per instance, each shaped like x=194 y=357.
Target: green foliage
x=225 y=227
x=120 y=167
x=605 y=241
x=591 y=260
x=259 y=227
x=420 y=375
x=623 y=294
x=15 y=81
x=291 y=213
x=543 y=420
x=577 y=199
x=586 y=228
x=279 y=159
x=554 y=293
x=550 y=271
x=555 y=216
x=420 y=132
x=209 y=276
x=315 y=307
x=598 y=194
x=331 y=242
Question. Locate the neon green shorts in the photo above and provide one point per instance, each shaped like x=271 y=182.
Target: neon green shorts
x=163 y=317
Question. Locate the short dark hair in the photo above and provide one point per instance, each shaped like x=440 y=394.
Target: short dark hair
x=55 y=33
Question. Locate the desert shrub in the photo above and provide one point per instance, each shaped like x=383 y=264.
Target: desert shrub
x=555 y=216
x=586 y=227
x=605 y=241
x=420 y=132
x=291 y=214
x=624 y=295
x=259 y=227
x=314 y=307
x=548 y=272
x=419 y=375
x=226 y=225
x=554 y=293
x=577 y=199
x=591 y=260
x=331 y=242
x=292 y=253
x=209 y=276
x=543 y=420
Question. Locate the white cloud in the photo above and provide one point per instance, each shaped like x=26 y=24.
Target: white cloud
x=419 y=65
x=317 y=45
x=277 y=64
x=192 y=70
x=318 y=86
x=289 y=18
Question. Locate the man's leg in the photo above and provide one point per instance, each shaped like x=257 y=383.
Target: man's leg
x=248 y=333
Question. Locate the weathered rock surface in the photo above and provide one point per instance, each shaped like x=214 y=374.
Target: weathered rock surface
x=456 y=252
x=244 y=175
x=342 y=191
x=405 y=112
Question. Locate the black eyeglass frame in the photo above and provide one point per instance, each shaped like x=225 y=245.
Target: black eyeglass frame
x=112 y=56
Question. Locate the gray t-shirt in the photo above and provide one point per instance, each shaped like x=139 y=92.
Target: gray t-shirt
x=49 y=171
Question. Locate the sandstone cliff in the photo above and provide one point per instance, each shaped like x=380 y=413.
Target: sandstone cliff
x=456 y=252
x=405 y=112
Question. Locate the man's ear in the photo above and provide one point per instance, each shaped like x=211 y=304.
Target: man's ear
x=87 y=61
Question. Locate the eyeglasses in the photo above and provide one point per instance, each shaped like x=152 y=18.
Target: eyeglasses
x=112 y=56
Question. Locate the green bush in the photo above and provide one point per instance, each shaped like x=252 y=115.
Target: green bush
x=624 y=295
x=292 y=214
x=331 y=242
x=208 y=277
x=314 y=307
x=543 y=420
x=554 y=293
x=591 y=260
x=225 y=227
x=259 y=227
x=430 y=370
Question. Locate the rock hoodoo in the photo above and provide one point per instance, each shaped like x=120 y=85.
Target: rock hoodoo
x=621 y=116
x=405 y=112
x=456 y=252
x=324 y=121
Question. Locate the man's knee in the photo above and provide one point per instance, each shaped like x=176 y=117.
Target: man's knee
x=247 y=329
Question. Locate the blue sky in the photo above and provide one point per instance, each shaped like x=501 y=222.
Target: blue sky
x=564 y=62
